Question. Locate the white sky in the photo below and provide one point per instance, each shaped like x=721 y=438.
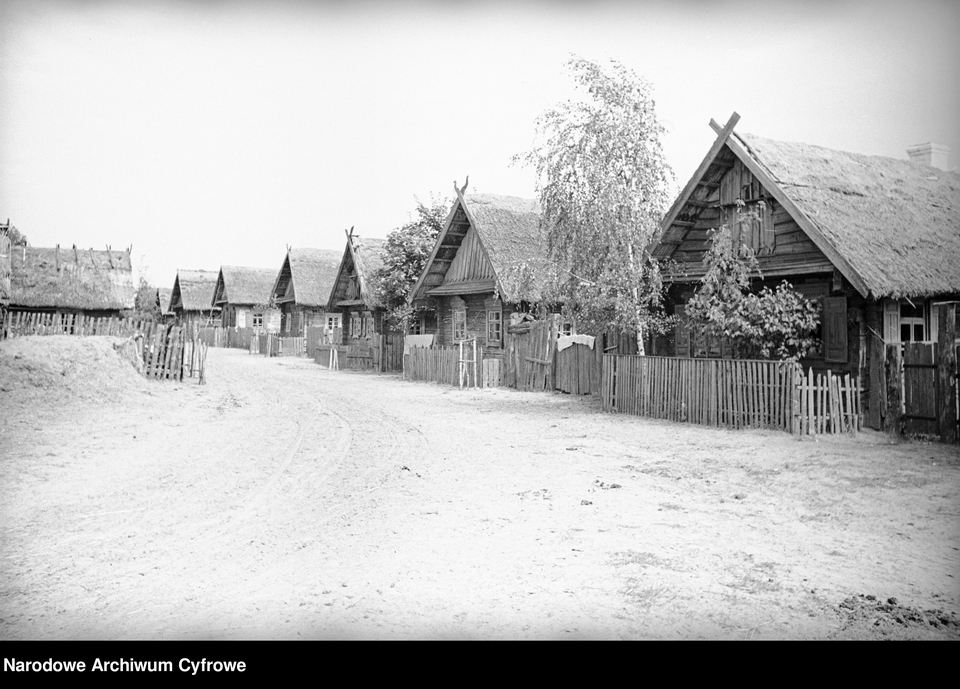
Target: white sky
x=209 y=133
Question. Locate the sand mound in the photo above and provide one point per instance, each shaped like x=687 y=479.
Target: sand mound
x=63 y=365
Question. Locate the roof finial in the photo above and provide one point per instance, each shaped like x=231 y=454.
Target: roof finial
x=463 y=189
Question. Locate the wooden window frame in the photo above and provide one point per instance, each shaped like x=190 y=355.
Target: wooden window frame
x=416 y=326
x=494 y=327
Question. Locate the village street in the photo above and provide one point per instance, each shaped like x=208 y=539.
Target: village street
x=282 y=500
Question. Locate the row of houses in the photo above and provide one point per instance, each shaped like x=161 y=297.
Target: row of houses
x=313 y=288
x=875 y=240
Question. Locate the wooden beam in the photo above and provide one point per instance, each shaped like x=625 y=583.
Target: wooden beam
x=947 y=371
x=683 y=223
x=701 y=171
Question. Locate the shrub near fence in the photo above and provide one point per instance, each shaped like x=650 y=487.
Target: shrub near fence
x=731 y=393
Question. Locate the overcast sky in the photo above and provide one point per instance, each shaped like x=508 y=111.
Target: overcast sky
x=210 y=133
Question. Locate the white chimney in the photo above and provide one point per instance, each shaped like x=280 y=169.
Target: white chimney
x=934 y=155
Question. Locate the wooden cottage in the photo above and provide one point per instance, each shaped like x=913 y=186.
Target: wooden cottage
x=875 y=240
x=490 y=249
x=302 y=289
x=243 y=297
x=352 y=296
x=70 y=281
x=191 y=300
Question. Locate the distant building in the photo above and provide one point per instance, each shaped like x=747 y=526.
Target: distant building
x=243 y=297
x=69 y=281
x=303 y=288
x=191 y=299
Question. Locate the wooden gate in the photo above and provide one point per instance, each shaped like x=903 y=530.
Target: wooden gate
x=577 y=368
x=390 y=345
x=921 y=390
x=529 y=350
x=920 y=401
x=361 y=357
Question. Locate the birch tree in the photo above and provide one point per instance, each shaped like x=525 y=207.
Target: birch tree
x=602 y=183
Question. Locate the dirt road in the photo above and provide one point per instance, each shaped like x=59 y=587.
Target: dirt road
x=282 y=500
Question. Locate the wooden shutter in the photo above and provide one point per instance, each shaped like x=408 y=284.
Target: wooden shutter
x=767 y=238
x=835 y=328
x=891 y=321
x=682 y=332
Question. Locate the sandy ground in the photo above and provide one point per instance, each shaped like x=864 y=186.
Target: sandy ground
x=282 y=500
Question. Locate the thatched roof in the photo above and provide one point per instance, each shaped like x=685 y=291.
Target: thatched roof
x=889 y=226
x=241 y=285
x=368 y=253
x=897 y=223
x=362 y=258
x=509 y=231
x=71 y=279
x=312 y=273
x=193 y=290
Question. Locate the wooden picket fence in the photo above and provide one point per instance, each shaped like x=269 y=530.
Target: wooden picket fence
x=173 y=353
x=731 y=393
x=23 y=323
x=270 y=344
x=829 y=403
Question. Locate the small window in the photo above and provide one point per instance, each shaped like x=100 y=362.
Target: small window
x=494 y=328
x=258 y=320
x=416 y=326
x=459 y=325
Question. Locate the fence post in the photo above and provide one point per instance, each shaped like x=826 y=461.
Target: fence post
x=893 y=423
x=947 y=372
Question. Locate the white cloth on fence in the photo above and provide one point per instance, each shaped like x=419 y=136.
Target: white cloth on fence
x=570 y=340
x=416 y=341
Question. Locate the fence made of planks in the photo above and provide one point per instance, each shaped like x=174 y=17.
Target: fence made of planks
x=23 y=323
x=329 y=355
x=731 y=393
x=442 y=364
x=528 y=355
x=577 y=368
x=270 y=344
